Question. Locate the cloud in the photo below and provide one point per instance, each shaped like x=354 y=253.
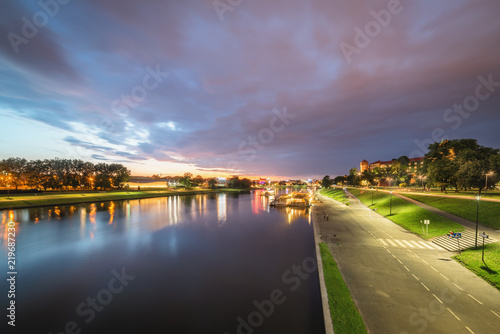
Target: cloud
x=225 y=78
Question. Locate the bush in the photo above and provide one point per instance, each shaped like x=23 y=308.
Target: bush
x=402 y=185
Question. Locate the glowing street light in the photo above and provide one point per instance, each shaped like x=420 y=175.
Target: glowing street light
x=389 y=179
x=8 y=187
x=477 y=218
x=486 y=183
x=372 y=195
x=422 y=178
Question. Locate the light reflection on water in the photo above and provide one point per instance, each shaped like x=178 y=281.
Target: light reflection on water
x=200 y=262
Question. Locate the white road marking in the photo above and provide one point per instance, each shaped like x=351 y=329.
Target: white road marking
x=434 y=269
x=415 y=277
x=399 y=243
x=394 y=256
x=418 y=245
x=425 y=244
x=387 y=249
x=425 y=261
x=453 y=314
x=474 y=298
x=437 y=298
x=406 y=242
x=399 y=261
x=392 y=242
x=469 y=330
x=425 y=286
x=495 y=313
x=383 y=242
x=407 y=268
x=458 y=286
x=444 y=276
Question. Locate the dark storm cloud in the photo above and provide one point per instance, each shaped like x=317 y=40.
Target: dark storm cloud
x=226 y=77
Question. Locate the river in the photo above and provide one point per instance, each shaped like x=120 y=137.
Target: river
x=221 y=263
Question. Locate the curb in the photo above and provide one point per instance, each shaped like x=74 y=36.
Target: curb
x=327 y=317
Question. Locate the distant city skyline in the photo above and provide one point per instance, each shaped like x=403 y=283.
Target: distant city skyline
x=281 y=89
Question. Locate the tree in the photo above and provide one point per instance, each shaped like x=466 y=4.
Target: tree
x=198 y=181
x=326 y=182
x=186 y=180
x=212 y=182
x=339 y=179
x=404 y=160
x=458 y=163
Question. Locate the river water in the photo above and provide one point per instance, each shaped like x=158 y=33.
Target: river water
x=218 y=263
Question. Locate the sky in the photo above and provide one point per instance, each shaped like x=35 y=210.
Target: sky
x=283 y=88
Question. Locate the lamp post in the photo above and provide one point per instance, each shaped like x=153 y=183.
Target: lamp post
x=422 y=178
x=8 y=187
x=477 y=218
x=484 y=236
x=486 y=183
x=389 y=179
x=372 y=196
x=390 y=207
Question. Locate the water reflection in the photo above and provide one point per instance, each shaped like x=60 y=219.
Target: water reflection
x=187 y=268
x=111 y=210
x=7 y=217
x=221 y=209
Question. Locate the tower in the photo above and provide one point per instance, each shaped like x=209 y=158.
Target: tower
x=364 y=165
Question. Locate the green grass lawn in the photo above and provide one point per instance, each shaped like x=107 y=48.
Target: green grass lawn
x=406 y=214
x=345 y=315
x=489 y=212
x=21 y=201
x=489 y=194
x=490 y=271
x=336 y=194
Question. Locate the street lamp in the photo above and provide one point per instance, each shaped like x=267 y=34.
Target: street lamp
x=390 y=179
x=422 y=178
x=477 y=217
x=390 y=207
x=486 y=183
x=8 y=188
x=372 y=196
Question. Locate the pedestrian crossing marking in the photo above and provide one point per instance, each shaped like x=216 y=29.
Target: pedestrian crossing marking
x=408 y=244
x=399 y=242
x=392 y=242
x=418 y=245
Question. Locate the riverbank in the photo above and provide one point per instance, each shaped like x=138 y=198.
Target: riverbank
x=48 y=199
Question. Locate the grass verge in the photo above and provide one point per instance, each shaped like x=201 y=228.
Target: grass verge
x=466 y=208
x=406 y=214
x=336 y=194
x=27 y=201
x=490 y=269
x=345 y=315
